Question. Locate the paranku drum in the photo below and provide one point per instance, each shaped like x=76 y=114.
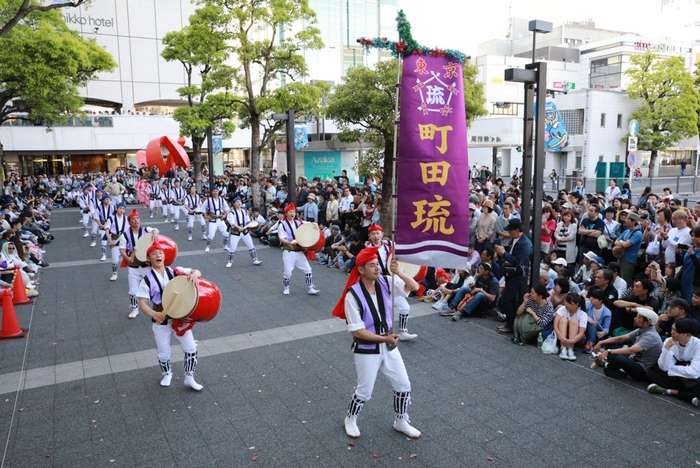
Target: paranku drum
x=183 y=301
x=309 y=236
x=145 y=241
x=414 y=271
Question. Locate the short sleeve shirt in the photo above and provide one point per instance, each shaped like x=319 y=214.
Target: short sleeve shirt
x=650 y=342
x=580 y=316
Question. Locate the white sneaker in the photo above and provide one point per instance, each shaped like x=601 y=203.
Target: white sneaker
x=564 y=353
x=405 y=336
x=204 y=237
x=571 y=355
x=226 y=248
x=257 y=262
x=402 y=425
x=134 y=313
x=228 y=265
x=189 y=238
x=206 y=250
x=93 y=244
x=165 y=381
x=189 y=381
x=151 y=216
x=177 y=228
x=103 y=258
x=313 y=291
x=351 y=428
x=286 y=291
x=113 y=277
x=30 y=286
x=86 y=235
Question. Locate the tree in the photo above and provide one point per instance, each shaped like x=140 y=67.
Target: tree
x=669 y=102
x=363 y=108
x=202 y=48
x=44 y=64
x=14 y=11
x=266 y=42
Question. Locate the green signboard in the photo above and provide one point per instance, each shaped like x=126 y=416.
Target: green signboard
x=321 y=164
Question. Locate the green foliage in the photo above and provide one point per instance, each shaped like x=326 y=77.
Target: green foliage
x=43 y=64
x=266 y=42
x=202 y=48
x=669 y=101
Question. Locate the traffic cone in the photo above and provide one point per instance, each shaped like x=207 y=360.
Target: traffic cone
x=19 y=296
x=10 y=326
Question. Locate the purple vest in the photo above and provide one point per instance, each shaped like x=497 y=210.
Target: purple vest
x=288 y=229
x=373 y=323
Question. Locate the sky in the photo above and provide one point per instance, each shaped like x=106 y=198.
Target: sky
x=480 y=24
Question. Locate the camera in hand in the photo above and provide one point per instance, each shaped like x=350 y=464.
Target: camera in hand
x=683 y=246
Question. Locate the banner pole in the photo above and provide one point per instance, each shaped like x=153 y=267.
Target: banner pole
x=393 y=175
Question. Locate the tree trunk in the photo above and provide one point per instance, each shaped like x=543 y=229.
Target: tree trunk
x=387 y=212
x=494 y=163
x=197 y=161
x=255 y=155
x=652 y=162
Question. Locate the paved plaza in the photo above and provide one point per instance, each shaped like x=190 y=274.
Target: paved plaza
x=82 y=389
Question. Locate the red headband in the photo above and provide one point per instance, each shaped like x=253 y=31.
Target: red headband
x=133 y=213
x=290 y=207
x=154 y=246
x=365 y=256
x=375 y=227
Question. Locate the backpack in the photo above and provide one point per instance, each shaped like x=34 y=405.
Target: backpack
x=466 y=300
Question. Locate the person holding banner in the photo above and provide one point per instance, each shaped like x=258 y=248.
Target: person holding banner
x=383 y=256
x=151 y=289
x=366 y=306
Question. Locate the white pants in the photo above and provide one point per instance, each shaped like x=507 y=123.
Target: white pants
x=217 y=225
x=234 y=239
x=163 y=333
x=116 y=255
x=115 y=200
x=401 y=304
x=135 y=277
x=177 y=209
x=192 y=217
x=293 y=259
x=86 y=219
x=96 y=228
x=389 y=362
x=168 y=209
x=153 y=203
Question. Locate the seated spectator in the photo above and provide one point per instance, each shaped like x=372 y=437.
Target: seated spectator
x=599 y=317
x=570 y=322
x=558 y=294
x=327 y=253
x=566 y=274
x=677 y=372
x=473 y=256
x=432 y=295
x=626 y=306
x=346 y=261
x=534 y=316
x=642 y=353
x=584 y=272
x=678 y=309
x=618 y=282
x=448 y=290
x=487 y=255
x=484 y=294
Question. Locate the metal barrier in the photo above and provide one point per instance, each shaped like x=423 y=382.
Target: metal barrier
x=686 y=184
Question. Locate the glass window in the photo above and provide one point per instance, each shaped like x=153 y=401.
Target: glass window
x=602 y=120
x=619 y=120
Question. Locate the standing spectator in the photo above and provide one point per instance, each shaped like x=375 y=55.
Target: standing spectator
x=690 y=273
x=549 y=225
x=580 y=189
x=630 y=241
x=515 y=259
x=684 y=164
x=553 y=177
x=612 y=191
x=502 y=221
x=486 y=227
x=591 y=228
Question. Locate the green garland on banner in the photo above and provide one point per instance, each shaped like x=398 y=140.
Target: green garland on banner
x=407 y=45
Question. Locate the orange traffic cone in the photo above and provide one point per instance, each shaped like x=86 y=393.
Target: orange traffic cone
x=19 y=296
x=10 y=326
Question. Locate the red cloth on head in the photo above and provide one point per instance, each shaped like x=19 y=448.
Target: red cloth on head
x=366 y=255
x=154 y=246
x=132 y=214
x=290 y=207
x=375 y=227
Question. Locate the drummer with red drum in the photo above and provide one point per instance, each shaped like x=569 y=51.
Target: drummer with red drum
x=293 y=256
x=151 y=289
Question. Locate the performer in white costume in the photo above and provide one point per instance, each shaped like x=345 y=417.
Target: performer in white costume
x=238 y=218
x=292 y=257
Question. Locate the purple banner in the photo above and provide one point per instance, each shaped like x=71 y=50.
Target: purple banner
x=433 y=168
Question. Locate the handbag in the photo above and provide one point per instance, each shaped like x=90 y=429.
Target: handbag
x=602 y=242
x=618 y=252
x=654 y=247
x=545 y=247
x=466 y=300
x=550 y=344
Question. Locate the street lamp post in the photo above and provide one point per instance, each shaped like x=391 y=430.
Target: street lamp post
x=538 y=26
x=291 y=161
x=534 y=76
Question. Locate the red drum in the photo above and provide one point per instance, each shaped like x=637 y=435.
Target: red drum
x=183 y=301
x=145 y=241
x=415 y=271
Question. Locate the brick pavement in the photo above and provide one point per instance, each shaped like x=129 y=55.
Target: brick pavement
x=278 y=372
